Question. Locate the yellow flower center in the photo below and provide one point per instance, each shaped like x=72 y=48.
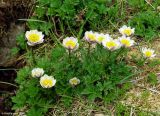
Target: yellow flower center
x=125 y=42
x=100 y=39
x=74 y=81
x=148 y=53
x=34 y=37
x=47 y=82
x=70 y=43
x=128 y=32
x=91 y=37
x=111 y=44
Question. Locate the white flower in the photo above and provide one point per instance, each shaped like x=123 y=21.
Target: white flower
x=37 y=72
x=74 y=81
x=126 y=41
x=47 y=81
x=148 y=53
x=100 y=37
x=111 y=44
x=34 y=37
x=90 y=36
x=70 y=43
x=124 y=30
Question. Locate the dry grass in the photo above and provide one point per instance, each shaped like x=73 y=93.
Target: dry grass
x=144 y=95
x=80 y=107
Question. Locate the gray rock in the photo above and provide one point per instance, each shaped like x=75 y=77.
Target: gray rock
x=7 y=43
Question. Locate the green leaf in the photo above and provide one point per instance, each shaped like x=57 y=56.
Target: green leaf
x=57 y=53
x=66 y=101
x=45 y=27
x=23 y=74
x=34 y=112
x=152 y=78
x=19 y=100
x=55 y=4
x=21 y=42
x=88 y=90
x=15 y=51
x=40 y=11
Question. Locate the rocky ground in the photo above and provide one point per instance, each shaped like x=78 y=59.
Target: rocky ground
x=10 y=26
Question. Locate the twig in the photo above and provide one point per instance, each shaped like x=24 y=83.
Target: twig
x=8 y=84
x=136 y=80
x=131 y=112
x=9 y=69
x=55 y=29
x=155 y=91
x=150 y=4
x=33 y=20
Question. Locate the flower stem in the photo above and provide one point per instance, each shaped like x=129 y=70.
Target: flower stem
x=69 y=51
x=33 y=57
x=144 y=60
x=122 y=50
x=89 y=48
x=110 y=56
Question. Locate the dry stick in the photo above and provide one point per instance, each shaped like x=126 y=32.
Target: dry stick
x=55 y=29
x=136 y=80
x=9 y=69
x=155 y=91
x=8 y=84
x=150 y=4
x=131 y=112
x=113 y=1
x=32 y=20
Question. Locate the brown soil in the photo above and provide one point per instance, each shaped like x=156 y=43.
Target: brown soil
x=6 y=89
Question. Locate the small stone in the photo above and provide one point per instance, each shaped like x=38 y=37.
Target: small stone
x=99 y=115
x=158 y=8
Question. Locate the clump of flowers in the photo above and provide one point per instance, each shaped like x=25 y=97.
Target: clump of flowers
x=128 y=31
x=47 y=81
x=34 y=37
x=71 y=43
x=148 y=53
x=37 y=72
x=126 y=41
x=99 y=70
x=74 y=81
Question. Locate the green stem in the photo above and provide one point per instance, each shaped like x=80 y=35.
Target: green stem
x=109 y=55
x=140 y=50
x=144 y=60
x=120 y=51
x=33 y=57
x=70 y=29
x=89 y=48
x=69 y=51
x=121 y=7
